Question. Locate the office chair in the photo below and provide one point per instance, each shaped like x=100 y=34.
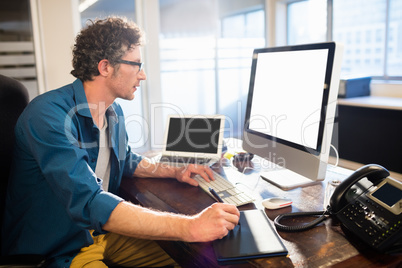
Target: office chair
x=13 y=99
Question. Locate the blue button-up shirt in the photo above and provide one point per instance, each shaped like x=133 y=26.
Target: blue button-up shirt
x=54 y=196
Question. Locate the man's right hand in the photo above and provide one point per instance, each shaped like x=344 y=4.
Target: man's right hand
x=214 y=222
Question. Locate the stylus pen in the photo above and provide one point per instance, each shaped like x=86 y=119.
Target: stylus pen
x=215 y=194
x=217 y=197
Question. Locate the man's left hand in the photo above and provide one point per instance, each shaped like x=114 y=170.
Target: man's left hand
x=185 y=174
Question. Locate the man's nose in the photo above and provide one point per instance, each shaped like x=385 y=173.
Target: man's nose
x=142 y=75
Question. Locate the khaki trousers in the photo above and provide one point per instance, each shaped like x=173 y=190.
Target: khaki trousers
x=116 y=250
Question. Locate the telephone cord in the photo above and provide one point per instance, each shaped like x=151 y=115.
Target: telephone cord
x=323 y=216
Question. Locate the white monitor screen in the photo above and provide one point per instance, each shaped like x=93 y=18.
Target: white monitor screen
x=288 y=95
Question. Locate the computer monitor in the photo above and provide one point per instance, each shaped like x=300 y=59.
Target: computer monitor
x=290 y=110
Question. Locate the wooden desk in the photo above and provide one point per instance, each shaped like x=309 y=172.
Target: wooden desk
x=322 y=246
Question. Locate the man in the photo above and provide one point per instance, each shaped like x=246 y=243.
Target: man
x=71 y=153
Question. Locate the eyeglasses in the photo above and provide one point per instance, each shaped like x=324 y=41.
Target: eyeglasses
x=133 y=63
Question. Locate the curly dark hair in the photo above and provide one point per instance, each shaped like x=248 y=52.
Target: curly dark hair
x=109 y=39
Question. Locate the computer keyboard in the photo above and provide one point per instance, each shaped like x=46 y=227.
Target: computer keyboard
x=225 y=189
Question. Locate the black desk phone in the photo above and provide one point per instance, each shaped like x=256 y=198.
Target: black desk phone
x=368 y=204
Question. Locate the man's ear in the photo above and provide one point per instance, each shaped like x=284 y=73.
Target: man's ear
x=104 y=67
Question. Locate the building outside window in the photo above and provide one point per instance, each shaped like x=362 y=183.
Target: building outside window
x=371 y=31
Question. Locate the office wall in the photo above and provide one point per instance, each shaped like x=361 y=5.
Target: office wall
x=58 y=25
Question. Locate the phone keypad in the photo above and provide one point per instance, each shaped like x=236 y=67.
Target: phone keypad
x=372 y=225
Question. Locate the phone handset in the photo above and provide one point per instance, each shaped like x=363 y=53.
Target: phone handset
x=374 y=173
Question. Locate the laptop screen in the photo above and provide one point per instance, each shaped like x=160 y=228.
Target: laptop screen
x=194 y=134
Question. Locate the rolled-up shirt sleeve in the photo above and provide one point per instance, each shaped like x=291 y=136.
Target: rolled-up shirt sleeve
x=101 y=208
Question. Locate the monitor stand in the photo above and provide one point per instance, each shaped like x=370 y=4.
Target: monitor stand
x=286 y=179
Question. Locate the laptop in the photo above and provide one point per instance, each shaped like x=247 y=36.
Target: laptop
x=193 y=139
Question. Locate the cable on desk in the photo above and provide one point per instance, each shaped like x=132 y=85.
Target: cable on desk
x=243 y=173
x=323 y=216
x=336 y=154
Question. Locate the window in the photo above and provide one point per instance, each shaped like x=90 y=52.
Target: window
x=371 y=31
x=348 y=20
x=307 y=22
x=92 y=9
x=394 y=44
x=235 y=47
x=206 y=51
